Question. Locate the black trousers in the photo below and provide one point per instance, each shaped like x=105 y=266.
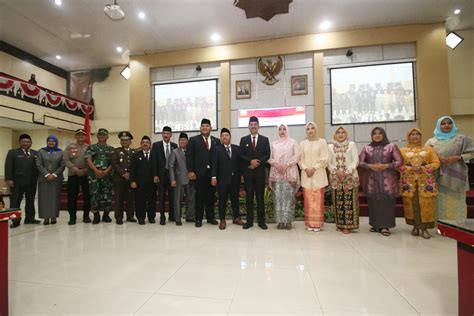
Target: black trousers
x=29 y=191
x=145 y=201
x=205 y=198
x=76 y=184
x=123 y=200
x=255 y=186
x=165 y=190
x=225 y=191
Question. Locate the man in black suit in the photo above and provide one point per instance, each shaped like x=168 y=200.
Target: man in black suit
x=225 y=171
x=254 y=152
x=21 y=176
x=141 y=179
x=161 y=176
x=198 y=162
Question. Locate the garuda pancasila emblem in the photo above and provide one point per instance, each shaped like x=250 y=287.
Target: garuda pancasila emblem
x=270 y=70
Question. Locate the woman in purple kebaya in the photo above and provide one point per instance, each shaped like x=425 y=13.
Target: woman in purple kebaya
x=380 y=158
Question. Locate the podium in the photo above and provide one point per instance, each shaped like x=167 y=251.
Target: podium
x=5 y=216
x=463 y=233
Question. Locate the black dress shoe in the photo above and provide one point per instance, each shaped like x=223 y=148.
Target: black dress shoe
x=247 y=225
x=72 y=221
x=46 y=221
x=86 y=219
x=53 y=221
x=141 y=222
x=151 y=221
x=119 y=221
x=106 y=218
x=179 y=223
x=96 y=218
x=132 y=220
x=212 y=222
x=263 y=226
x=162 y=220
x=32 y=221
x=198 y=224
x=15 y=223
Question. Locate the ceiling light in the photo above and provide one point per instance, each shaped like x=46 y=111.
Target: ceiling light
x=141 y=15
x=325 y=25
x=126 y=72
x=58 y=2
x=119 y=49
x=457 y=11
x=215 y=37
x=58 y=57
x=453 y=40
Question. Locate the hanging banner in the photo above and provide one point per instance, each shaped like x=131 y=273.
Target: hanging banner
x=294 y=115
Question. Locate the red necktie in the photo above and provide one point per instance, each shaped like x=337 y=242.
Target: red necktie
x=253 y=142
x=206 y=142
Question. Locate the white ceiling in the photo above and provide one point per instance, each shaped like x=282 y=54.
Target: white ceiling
x=45 y=30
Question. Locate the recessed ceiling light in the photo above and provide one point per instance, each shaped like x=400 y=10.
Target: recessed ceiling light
x=141 y=15
x=457 y=11
x=126 y=72
x=215 y=37
x=119 y=49
x=325 y=25
x=58 y=57
x=58 y=2
x=453 y=40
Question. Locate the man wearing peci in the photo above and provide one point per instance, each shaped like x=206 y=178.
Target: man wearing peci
x=198 y=161
x=254 y=152
x=225 y=171
x=21 y=176
x=160 y=153
x=141 y=180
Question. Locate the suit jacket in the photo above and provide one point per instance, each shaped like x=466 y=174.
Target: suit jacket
x=198 y=158
x=50 y=163
x=177 y=166
x=121 y=161
x=225 y=169
x=20 y=168
x=159 y=159
x=261 y=152
x=141 y=169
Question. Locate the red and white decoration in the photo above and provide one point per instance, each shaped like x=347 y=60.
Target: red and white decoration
x=52 y=99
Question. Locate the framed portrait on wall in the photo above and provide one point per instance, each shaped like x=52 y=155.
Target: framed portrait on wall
x=299 y=85
x=243 y=89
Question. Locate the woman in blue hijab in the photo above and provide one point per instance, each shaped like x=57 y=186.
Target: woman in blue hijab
x=453 y=150
x=50 y=165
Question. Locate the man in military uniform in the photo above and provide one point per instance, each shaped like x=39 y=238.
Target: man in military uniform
x=123 y=194
x=98 y=157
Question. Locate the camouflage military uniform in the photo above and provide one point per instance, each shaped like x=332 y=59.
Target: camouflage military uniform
x=100 y=189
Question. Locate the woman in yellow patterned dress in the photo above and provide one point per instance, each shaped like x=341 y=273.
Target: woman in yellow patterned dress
x=418 y=186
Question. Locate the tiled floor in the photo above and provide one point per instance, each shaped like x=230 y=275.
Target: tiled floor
x=108 y=269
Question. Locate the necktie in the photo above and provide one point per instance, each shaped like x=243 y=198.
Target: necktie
x=146 y=156
x=206 y=142
x=253 y=142
x=27 y=153
x=228 y=151
x=167 y=153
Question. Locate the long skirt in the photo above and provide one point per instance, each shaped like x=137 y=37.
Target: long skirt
x=346 y=205
x=283 y=202
x=451 y=204
x=381 y=212
x=420 y=211
x=313 y=207
x=49 y=199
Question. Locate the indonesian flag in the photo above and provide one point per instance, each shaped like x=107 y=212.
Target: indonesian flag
x=87 y=127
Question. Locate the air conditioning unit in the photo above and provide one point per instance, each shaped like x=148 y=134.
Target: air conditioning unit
x=114 y=12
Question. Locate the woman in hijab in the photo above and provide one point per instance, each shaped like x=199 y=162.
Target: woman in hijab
x=380 y=158
x=284 y=178
x=50 y=164
x=313 y=163
x=453 y=149
x=344 y=180
x=418 y=184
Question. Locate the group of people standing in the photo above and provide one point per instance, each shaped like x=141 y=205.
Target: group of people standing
x=428 y=177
